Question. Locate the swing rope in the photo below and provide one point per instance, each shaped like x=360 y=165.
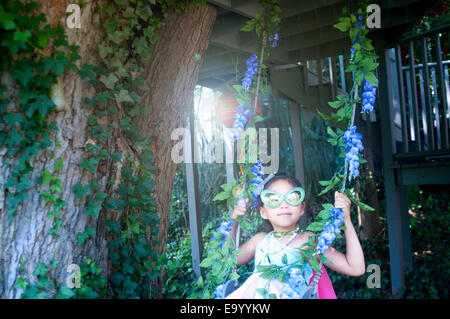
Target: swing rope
x=315 y=282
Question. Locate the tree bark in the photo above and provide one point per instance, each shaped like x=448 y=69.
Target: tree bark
x=27 y=234
x=171 y=76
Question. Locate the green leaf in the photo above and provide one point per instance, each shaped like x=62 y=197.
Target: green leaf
x=115 y=204
x=23 y=76
x=40 y=269
x=81 y=190
x=109 y=81
x=314 y=264
x=324 y=259
x=124 y=96
x=56 y=188
x=249 y=25
x=330 y=186
x=324 y=214
x=316 y=226
x=199 y=283
x=207 y=262
x=324 y=116
x=222 y=196
x=48 y=177
x=370 y=77
x=343 y=25
x=359 y=77
x=21 y=283
x=48 y=197
x=93 y=209
x=65 y=293
x=335 y=104
x=358 y=203
x=325 y=183
x=7 y=20
x=42 y=104
x=258 y=118
x=90 y=164
x=59 y=164
x=22 y=36
x=331 y=132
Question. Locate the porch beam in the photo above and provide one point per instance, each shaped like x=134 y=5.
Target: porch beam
x=396 y=196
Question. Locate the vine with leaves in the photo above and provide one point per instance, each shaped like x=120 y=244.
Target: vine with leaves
x=129 y=28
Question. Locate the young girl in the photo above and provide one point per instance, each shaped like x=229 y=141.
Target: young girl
x=281 y=203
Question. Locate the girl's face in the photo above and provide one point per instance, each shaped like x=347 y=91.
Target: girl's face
x=285 y=216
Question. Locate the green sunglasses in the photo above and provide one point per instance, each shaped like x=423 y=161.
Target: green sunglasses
x=273 y=199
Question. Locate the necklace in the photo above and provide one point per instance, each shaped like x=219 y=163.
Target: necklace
x=282 y=233
x=274 y=234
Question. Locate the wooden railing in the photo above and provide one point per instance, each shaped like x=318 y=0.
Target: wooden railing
x=422 y=68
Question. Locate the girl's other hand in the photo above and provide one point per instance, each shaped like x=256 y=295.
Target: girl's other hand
x=342 y=201
x=240 y=208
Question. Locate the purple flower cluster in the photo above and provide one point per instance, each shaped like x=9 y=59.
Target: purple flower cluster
x=240 y=120
x=368 y=96
x=258 y=170
x=353 y=147
x=330 y=230
x=252 y=70
x=273 y=40
x=224 y=229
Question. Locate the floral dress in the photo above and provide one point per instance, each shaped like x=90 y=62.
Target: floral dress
x=271 y=251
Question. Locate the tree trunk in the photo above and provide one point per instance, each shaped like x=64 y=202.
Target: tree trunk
x=27 y=235
x=171 y=76
x=369 y=222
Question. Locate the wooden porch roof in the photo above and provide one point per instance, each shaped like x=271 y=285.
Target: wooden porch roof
x=306 y=32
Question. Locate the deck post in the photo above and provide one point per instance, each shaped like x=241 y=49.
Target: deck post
x=396 y=199
x=195 y=223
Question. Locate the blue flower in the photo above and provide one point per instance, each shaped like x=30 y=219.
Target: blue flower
x=240 y=120
x=224 y=229
x=254 y=203
x=252 y=70
x=273 y=40
x=368 y=97
x=330 y=230
x=219 y=292
x=353 y=147
x=258 y=171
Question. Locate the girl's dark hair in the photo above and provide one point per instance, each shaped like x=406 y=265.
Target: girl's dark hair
x=267 y=227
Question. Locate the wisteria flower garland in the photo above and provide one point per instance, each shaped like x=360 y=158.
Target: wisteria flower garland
x=240 y=120
x=252 y=70
x=224 y=229
x=353 y=146
x=330 y=230
x=258 y=170
x=296 y=283
x=273 y=40
x=368 y=97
